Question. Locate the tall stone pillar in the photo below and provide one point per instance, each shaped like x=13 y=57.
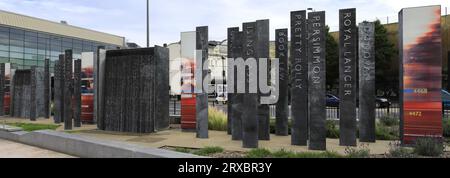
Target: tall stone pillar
x=67 y=94
x=317 y=80
x=2 y=91
x=47 y=95
x=299 y=78
x=231 y=92
x=33 y=112
x=367 y=82
x=58 y=90
x=202 y=97
x=77 y=93
x=262 y=52
x=237 y=105
x=282 y=107
x=250 y=98
x=347 y=76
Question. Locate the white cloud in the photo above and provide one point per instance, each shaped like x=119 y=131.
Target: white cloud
x=170 y=17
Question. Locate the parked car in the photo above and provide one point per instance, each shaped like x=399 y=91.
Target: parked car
x=445 y=100
x=333 y=101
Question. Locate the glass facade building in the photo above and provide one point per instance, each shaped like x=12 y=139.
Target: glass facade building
x=24 y=48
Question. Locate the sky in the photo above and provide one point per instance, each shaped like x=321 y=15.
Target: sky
x=170 y=17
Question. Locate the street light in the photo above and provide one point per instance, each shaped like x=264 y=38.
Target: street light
x=148 y=25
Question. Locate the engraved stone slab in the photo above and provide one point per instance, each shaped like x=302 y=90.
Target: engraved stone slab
x=282 y=108
x=347 y=76
x=317 y=81
x=367 y=82
x=299 y=78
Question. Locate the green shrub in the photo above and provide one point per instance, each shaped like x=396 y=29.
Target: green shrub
x=354 y=152
x=259 y=153
x=332 y=129
x=326 y=154
x=182 y=150
x=264 y=153
x=208 y=151
x=388 y=120
x=29 y=127
x=284 y=154
x=273 y=126
x=446 y=127
x=217 y=120
x=428 y=146
x=397 y=151
x=384 y=132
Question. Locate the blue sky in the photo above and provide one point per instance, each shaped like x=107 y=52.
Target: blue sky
x=170 y=17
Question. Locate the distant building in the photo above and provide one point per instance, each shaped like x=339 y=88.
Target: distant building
x=217 y=64
x=27 y=41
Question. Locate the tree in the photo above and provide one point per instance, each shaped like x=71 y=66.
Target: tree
x=332 y=58
x=385 y=51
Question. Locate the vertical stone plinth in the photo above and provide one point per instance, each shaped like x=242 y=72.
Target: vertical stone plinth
x=231 y=92
x=237 y=106
x=135 y=90
x=250 y=98
x=347 y=76
x=282 y=108
x=47 y=89
x=68 y=88
x=367 y=82
x=77 y=93
x=99 y=74
x=299 y=78
x=162 y=98
x=317 y=80
x=2 y=91
x=58 y=84
x=33 y=114
x=202 y=96
x=262 y=52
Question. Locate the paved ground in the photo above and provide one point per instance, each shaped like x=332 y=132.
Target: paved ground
x=176 y=138
x=10 y=149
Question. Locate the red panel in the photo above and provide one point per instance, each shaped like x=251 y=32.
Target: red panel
x=6 y=103
x=421 y=52
x=87 y=108
x=188 y=112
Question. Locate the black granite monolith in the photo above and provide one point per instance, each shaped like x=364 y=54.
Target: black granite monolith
x=250 y=99
x=99 y=70
x=347 y=76
x=33 y=94
x=202 y=98
x=299 y=78
x=230 y=46
x=367 y=82
x=68 y=88
x=282 y=108
x=262 y=52
x=135 y=90
x=57 y=91
x=47 y=88
x=162 y=89
x=77 y=93
x=317 y=81
x=237 y=106
x=2 y=86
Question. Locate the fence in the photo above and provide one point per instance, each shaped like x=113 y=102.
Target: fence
x=332 y=112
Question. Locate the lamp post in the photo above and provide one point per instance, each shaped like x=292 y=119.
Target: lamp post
x=148 y=25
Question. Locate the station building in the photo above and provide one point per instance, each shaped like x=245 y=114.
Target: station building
x=27 y=41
